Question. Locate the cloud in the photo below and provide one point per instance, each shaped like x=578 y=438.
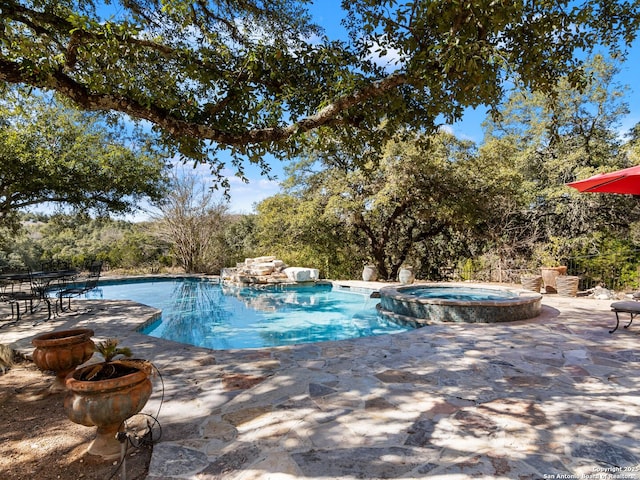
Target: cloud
x=245 y=195
x=391 y=60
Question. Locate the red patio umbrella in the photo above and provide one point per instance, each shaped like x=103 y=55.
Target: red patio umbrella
x=621 y=181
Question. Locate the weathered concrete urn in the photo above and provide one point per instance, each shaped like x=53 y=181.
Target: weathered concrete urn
x=369 y=273
x=62 y=351
x=406 y=275
x=107 y=403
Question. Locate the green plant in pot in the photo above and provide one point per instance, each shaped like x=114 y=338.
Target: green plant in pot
x=106 y=394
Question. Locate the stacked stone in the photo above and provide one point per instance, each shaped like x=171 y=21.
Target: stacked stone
x=267 y=270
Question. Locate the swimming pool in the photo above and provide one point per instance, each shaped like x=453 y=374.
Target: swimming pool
x=206 y=314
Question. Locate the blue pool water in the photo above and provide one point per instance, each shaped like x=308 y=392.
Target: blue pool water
x=209 y=315
x=459 y=293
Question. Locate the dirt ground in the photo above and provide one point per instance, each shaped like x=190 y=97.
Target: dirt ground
x=37 y=440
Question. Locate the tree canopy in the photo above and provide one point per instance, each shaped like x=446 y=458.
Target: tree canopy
x=253 y=76
x=557 y=140
x=439 y=203
x=53 y=154
x=417 y=203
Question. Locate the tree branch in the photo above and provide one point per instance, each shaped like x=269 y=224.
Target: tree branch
x=80 y=94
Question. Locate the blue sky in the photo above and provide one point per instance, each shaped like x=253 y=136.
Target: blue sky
x=328 y=14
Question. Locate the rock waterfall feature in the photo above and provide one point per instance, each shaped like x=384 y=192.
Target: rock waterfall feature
x=267 y=271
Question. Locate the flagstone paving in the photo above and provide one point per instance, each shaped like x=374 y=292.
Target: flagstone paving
x=552 y=397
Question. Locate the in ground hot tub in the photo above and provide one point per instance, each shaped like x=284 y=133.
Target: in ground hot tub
x=437 y=302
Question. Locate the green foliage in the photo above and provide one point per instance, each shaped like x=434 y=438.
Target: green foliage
x=607 y=261
x=467 y=268
x=241 y=239
x=547 y=140
x=53 y=154
x=556 y=251
x=18 y=251
x=300 y=233
x=362 y=191
x=79 y=239
x=253 y=76
x=413 y=204
x=109 y=349
x=133 y=248
x=107 y=370
x=438 y=203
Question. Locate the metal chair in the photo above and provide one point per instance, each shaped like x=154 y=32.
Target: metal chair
x=5 y=297
x=80 y=288
x=16 y=287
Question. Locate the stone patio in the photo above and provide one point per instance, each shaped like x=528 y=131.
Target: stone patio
x=552 y=397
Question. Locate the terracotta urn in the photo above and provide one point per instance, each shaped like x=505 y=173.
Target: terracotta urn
x=106 y=403
x=61 y=352
x=549 y=275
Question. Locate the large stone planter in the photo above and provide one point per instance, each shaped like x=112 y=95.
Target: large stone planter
x=531 y=282
x=567 y=285
x=106 y=404
x=549 y=276
x=61 y=352
x=406 y=276
x=369 y=273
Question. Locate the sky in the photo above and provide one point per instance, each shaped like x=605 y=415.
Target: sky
x=327 y=13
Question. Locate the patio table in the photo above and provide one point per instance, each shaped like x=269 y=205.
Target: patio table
x=40 y=283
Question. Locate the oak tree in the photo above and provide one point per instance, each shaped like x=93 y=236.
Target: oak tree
x=52 y=154
x=252 y=76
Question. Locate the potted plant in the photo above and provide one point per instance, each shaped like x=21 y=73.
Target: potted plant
x=105 y=394
x=549 y=257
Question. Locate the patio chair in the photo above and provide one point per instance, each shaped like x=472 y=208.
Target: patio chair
x=5 y=290
x=632 y=308
x=80 y=288
x=16 y=287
